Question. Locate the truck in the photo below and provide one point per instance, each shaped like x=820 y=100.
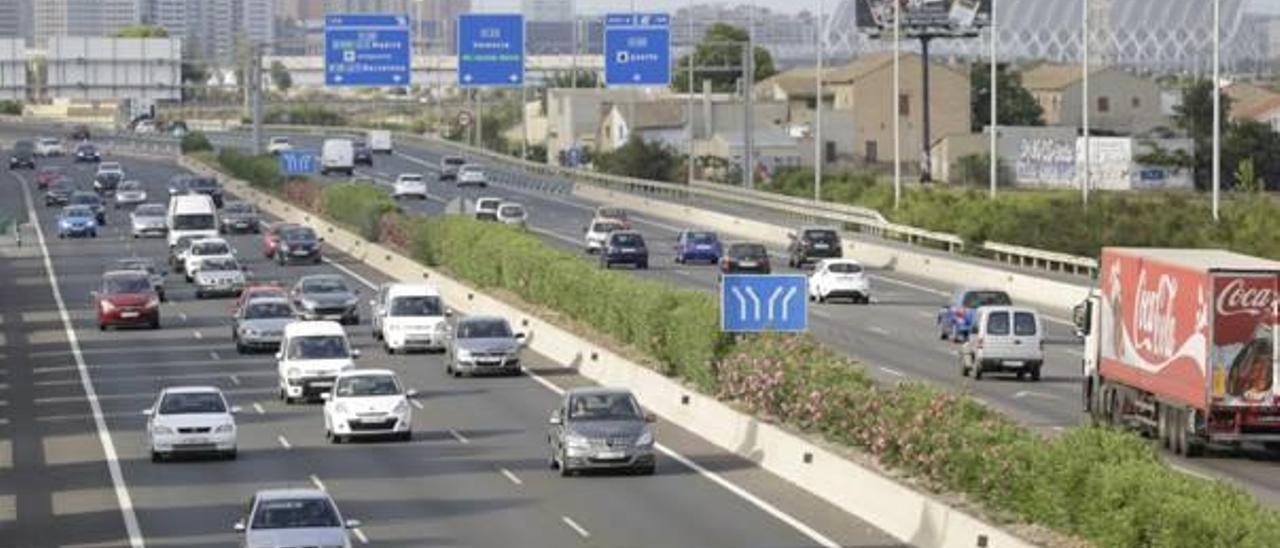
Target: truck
x=380 y=141
x=1181 y=345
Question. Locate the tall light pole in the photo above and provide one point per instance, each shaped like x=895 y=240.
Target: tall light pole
x=693 y=50
x=1217 y=106
x=818 y=157
x=748 y=89
x=994 y=126
x=895 y=107
x=1084 y=107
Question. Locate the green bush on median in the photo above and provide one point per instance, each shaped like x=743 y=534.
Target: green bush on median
x=262 y=172
x=358 y=206
x=195 y=142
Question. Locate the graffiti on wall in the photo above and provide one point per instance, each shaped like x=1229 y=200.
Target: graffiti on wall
x=1046 y=161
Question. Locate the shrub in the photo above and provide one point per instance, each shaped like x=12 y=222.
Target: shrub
x=305 y=116
x=195 y=142
x=358 y=206
x=260 y=171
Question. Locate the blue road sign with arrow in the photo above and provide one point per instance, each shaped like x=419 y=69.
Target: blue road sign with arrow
x=490 y=50
x=297 y=162
x=637 y=49
x=753 y=303
x=367 y=50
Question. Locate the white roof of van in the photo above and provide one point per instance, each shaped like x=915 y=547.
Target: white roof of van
x=412 y=290
x=1205 y=259
x=303 y=329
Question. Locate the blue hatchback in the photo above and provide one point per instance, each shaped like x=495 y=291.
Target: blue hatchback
x=955 y=320
x=625 y=247
x=77 y=221
x=697 y=245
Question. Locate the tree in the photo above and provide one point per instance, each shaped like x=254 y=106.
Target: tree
x=586 y=79
x=1017 y=106
x=652 y=160
x=1257 y=144
x=721 y=48
x=1195 y=116
x=280 y=75
x=142 y=31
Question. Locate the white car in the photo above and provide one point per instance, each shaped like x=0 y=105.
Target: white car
x=409 y=317
x=598 y=232
x=110 y=167
x=311 y=356
x=130 y=193
x=512 y=213
x=278 y=145
x=1004 y=339
x=48 y=147
x=839 y=279
x=368 y=402
x=472 y=176
x=191 y=419
x=202 y=248
x=409 y=184
x=487 y=208
x=293 y=517
x=148 y=220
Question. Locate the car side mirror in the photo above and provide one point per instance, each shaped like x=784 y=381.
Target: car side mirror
x=353 y=524
x=239 y=527
x=411 y=393
x=555 y=419
x=326 y=396
x=650 y=417
x=448 y=312
x=521 y=336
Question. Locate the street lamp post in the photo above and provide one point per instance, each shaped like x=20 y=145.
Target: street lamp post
x=1217 y=106
x=897 y=98
x=994 y=87
x=818 y=157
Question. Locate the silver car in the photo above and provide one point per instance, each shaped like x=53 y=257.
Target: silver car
x=129 y=194
x=326 y=297
x=259 y=324
x=218 y=276
x=600 y=428
x=142 y=264
x=149 y=221
x=483 y=344
x=239 y=217
x=294 y=517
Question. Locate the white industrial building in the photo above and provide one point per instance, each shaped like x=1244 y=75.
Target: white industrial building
x=13 y=69
x=108 y=69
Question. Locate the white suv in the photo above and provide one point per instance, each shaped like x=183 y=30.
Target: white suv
x=48 y=147
x=368 y=402
x=409 y=317
x=470 y=175
x=409 y=184
x=1004 y=339
x=191 y=419
x=311 y=356
x=487 y=208
x=202 y=249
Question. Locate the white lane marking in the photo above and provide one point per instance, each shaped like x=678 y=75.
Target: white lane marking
x=551 y=234
x=351 y=273
x=878 y=330
x=360 y=535
x=822 y=313
x=1021 y=394
x=458 y=436
x=315 y=480
x=258 y=407
x=416 y=403
x=284 y=441
x=576 y=528
x=182 y=316
x=511 y=476
x=123 y=499
x=1191 y=472
x=544 y=382
x=914 y=286
x=235 y=380
x=198 y=335
x=214 y=355
x=893 y=372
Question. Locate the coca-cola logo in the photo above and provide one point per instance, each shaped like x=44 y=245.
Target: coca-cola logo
x=1155 y=323
x=1237 y=298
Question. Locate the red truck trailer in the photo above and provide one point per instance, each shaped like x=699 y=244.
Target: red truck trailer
x=1182 y=345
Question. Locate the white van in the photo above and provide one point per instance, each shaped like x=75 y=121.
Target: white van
x=1005 y=339
x=338 y=155
x=311 y=355
x=191 y=215
x=409 y=317
x=380 y=141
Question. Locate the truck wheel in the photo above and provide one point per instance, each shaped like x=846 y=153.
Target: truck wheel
x=977 y=370
x=964 y=366
x=1035 y=372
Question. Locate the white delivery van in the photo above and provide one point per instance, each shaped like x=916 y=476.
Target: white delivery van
x=1004 y=339
x=338 y=155
x=311 y=355
x=409 y=317
x=192 y=215
x=380 y=141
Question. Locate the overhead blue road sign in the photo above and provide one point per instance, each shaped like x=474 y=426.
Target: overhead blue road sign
x=637 y=49
x=754 y=303
x=367 y=50
x=298 y=162
x=490 y=50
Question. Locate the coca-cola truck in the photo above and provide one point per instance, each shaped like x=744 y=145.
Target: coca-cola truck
x=1181 y=344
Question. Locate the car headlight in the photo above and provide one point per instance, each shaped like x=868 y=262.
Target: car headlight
x=401 y=408
x=645 y=439
x=250 y=332
x=574 y=441
x=340 y=409
x=107 y=306
x=225 y=428
x=160 y=430
x=153 y=302
x=293 y=373
x=463 y=354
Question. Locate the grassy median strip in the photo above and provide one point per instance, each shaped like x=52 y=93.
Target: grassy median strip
x=1107 y=487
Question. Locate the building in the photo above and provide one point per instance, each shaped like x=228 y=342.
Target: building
x=15 y=19
x=113 y=69
x=368 y=6
x=1252 y=102
x=210 y=29
x=83 y=18
x=1120 y=102
x=655 y=121
x=300 y=10
x=13 y=69
x=573 y=117
x=547 y=10
x=798 y=89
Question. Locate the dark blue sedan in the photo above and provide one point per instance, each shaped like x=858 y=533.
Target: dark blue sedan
x=625 y=247
x=697 y=245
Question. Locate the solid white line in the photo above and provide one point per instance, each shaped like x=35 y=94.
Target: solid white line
x=284 y=441
x=511 y=476
x=557 y=236
x=235 y=380
x=893 y=372
x=182 y=316
x=315 y=480
x=574 y=525
x=351 y=273
x=458 y=436
x=544 y=382
x=416 y=403
x=198 y=335
x=878 y=330
x=1191 y=472
x=214 y=355
x=767 y=508
x=258 y=407
x=360 y=535
x=123 y=499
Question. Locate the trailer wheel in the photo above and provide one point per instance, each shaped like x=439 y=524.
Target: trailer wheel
x=1165 y=432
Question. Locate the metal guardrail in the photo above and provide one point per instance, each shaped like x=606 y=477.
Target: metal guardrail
x=1027 y=257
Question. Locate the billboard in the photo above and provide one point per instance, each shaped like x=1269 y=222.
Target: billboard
x=942 y=15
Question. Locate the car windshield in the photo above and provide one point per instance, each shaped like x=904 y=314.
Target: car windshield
x=702 y=237
x=976 y=299
x=608 y=407
x=845 y=268
x=23 y=146
x=629 y=240
x=280 y=140
x=299 y=235
x=186 y=403
x=605 y=227
x=487 y=203
x=219 y=265
x=194 y=222
x=237 y=207
x=295 y=514
x=748 y=251
x=77 y=212
x=511 y=211
x=48 y=141
x=484 y=329
x=109 y=166
x=86 y=148
x=324 y=285
x=612 y=213
x=131 y=185
x=820 y=235
x=267 y=311
x=211 y=248
x=202 y=184
x=411 y=178
x=367 y=385
x=86 y=199
x=415 y=306
x=62 y=185
x=150 y=210
x=126 y=284
x=318 y=347
x=470 y=169
x=453 y=161
x=134 y=264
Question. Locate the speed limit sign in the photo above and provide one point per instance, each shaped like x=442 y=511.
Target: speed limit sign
x=464 y=118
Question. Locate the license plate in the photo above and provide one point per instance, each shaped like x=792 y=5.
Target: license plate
x=324 y=384
x=129 y=314
x=628 y=250
x=702 y=247
x=1015 y=364
x=820 y=246
x=195 y=441
x=300 y=252
x=749 y=264
x=372 y=420
x=610 y=455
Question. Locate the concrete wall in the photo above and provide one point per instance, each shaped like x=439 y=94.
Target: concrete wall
x=13 y=69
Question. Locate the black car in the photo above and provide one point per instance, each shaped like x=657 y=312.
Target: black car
x=80 y=133
x=24 y=155
x=363 y=155
x=298 y=243
x=59 y=192
x=208 y=186
x=93 y=201
x=813 y=243
x=625 y=247
x=239 y=217
x=106 y=182
x=745 y=258
x=86 y=152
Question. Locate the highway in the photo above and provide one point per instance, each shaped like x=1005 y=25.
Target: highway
x=74 y=471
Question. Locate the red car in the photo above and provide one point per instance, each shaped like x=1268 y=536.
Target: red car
x=126 y=297
x=271 y=238
x=46 y=176
x=268 y=289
